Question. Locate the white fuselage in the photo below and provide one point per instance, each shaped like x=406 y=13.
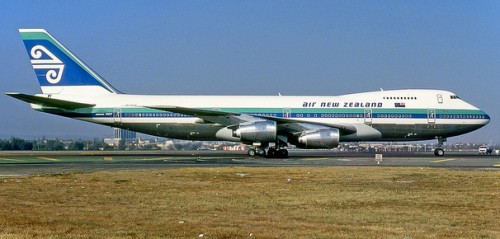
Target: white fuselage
x=384 y=115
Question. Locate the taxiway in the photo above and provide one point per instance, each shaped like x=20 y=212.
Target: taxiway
x=32 y=162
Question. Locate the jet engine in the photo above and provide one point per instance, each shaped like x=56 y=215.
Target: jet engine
x=319 y=139
x=260 y=131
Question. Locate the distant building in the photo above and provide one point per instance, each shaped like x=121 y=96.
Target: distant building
x=124 y=134
x=120 y=134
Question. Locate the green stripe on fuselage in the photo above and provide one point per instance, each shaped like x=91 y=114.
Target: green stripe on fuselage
x=293 y=110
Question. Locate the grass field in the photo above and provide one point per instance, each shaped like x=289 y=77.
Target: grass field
x=246 y=202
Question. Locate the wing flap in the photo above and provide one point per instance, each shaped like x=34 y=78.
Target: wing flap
x=49 y=102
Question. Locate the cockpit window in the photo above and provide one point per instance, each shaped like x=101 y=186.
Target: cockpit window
x=454 y=97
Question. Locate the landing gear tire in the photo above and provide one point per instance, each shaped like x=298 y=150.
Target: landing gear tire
x=271 y=153
x=282 y=153
x=274 y=153
x=256 y=151
x=251 y=152
x=439 y=152
x=260 y=151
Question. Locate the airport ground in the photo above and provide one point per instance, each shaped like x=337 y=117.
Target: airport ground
x=213 y=194
x=15 y=163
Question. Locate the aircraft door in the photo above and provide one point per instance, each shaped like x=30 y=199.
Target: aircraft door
x=368 y=116
x=431 y=116
x=287 y=113
x=117 y=116
x=440 y=98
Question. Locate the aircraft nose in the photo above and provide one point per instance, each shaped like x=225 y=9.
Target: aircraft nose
x=486 y=117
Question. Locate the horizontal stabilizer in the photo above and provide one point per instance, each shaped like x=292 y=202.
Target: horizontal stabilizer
x=49 y=102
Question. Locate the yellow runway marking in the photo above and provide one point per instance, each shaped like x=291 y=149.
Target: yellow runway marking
x=187 y=157
x=50 y=159
x=160 y=158
x=314 y=159
x=443 y=160
x=108 y=158
x=15 y=160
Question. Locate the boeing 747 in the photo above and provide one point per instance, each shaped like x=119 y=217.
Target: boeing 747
x=267 y=123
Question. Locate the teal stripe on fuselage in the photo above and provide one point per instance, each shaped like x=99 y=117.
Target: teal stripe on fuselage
x=278 y=112
x=293 y=110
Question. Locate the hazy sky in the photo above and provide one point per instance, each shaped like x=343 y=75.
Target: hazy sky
x=258 y=48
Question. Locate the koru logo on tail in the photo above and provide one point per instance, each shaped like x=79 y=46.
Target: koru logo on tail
x=44 y=59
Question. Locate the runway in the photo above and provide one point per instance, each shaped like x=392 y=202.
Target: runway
x=25 y=163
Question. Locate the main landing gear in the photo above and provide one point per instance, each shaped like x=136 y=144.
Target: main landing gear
x=278 y=150
x=439 y=151
x=277 y=153
x=272 y=152
x=256 y=151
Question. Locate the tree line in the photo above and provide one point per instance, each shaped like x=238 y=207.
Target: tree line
x=52 y=144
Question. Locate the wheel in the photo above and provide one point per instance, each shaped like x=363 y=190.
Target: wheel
x=282 y=153
x=251 y=152
x=271 y=152
x=439 y=152
x=260 y=152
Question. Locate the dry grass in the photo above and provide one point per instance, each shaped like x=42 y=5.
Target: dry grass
x=329 y=202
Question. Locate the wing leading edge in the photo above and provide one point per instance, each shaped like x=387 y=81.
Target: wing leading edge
x=292 y=126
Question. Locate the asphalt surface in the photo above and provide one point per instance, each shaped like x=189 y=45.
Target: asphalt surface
x=23 y=163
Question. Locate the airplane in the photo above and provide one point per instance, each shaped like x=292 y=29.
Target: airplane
x=269 y=124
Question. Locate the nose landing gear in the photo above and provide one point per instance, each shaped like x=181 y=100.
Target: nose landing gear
x=439 y=151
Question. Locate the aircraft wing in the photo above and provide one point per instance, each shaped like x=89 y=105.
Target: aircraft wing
x=191 y=111
x=230 y=119
x=213 y=116
x=49 y=102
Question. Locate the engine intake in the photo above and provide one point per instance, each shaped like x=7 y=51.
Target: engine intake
x=261 y=131
x=319 y=139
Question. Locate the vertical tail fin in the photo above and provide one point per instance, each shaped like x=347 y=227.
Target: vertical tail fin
x=58 y=70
